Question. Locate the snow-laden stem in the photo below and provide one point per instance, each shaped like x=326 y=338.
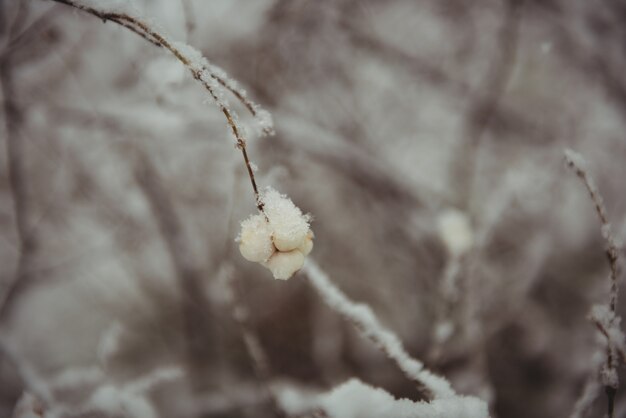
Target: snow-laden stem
x=578 y=164
x=607 y=322
x=209 y=76
x=365 y=321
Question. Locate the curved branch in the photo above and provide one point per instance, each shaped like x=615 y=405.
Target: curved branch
x=208 y=75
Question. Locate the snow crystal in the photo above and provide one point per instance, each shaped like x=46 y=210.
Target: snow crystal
x=255 y=242
x=195 y=57
x=575 y=159
x=611 y=323
x=608 y=376
x=265 y=122
x=289 y=225
x=603 y=315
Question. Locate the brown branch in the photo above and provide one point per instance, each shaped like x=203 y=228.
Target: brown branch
x=17 y=185
x=578 y=164
x=199 y=72
x=621 y=353
x=484 y=107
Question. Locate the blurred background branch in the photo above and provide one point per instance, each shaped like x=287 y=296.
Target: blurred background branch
x=119 y=192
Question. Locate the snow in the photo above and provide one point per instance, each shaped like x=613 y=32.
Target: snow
x=289 y=225
x=264 y=121
x=590 y=394
x=366 y=322
x=284 y=264
x=116 y=6
x=455 y=231
x=575 y=159
x=355 y=399
x=117 y=402
x=279 y=238
x=255 y=242
x=611 y=323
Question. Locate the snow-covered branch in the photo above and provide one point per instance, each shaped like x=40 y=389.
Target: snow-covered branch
x=210 y=76
x=603 y=316
x=362 y=317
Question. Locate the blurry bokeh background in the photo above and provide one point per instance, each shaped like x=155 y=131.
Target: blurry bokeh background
x=392 y=117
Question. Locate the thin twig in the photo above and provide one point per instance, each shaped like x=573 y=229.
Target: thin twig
x=578 y=164
x=201 y=72
x=600 y=326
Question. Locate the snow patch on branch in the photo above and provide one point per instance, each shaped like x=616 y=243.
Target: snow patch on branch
x=355 y=399
x=363 y=318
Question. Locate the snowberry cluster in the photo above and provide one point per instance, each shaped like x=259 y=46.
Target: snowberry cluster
x=279 y=238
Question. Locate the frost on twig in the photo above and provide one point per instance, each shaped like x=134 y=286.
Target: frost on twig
x=603 y=316
x=361 y=316
x=577 y=163
x=279 y=237
x=355 y=399
x=212 y=78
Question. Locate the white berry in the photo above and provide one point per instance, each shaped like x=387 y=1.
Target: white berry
x=284 y=264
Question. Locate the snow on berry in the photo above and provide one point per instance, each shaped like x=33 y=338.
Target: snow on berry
x=279 y=238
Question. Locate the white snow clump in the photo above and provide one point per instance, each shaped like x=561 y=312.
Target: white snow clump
x=455 y=231
x=278 y=238
x=355 y=399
